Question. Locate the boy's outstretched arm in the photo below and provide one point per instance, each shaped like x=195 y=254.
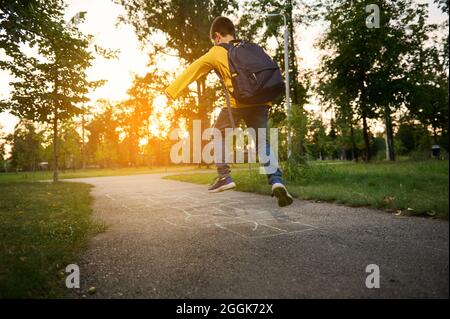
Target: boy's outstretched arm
x=196 y=70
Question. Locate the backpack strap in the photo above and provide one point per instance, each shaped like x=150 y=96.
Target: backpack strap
x=228 y=45
x=225 y=45
x=227 y=98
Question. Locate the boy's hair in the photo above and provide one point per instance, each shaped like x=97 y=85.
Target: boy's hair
x=223 y=26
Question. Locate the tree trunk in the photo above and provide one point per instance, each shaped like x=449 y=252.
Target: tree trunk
x=390 y=155
x=55 y=144
x=294 y=78
x=366 y=138
x=435 y=138
x=83 y=149
x=352 y=136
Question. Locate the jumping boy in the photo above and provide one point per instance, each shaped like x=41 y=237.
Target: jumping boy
x=255 y=116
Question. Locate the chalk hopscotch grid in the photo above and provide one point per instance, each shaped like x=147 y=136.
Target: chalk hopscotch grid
x=194 y=204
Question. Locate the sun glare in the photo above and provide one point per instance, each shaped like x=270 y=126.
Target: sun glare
x=160 y=103
x=159 y=120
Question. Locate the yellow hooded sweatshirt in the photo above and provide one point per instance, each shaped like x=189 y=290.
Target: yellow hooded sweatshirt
x=215 y=59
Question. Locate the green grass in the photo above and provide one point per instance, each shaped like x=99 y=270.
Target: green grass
x=414 y=188
x=42 y=227
x=80 y=173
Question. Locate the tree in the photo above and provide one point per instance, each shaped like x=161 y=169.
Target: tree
x=133 y=113
x=70 y=145
x=370 y=64
x=343 y=108
x=411 y=137
x=186 y=25
x=26 y=146
x=318 y=137
x=2 y=149
x=103 y=146
x=427 y=100
x=48 y=85
x=255 y=25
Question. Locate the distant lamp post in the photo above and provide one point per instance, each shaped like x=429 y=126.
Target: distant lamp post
x=286 y=74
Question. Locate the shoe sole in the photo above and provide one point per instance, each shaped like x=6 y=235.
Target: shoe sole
x=223 y=188
x=284 y=199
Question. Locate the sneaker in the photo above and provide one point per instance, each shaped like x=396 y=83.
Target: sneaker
x=221 y=184
x=281 y=193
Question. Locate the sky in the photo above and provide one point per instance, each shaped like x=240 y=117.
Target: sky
x=101 y=22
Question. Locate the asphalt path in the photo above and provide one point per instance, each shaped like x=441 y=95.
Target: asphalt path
x=169 y=239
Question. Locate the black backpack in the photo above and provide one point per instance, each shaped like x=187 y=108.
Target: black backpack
x=256 y=78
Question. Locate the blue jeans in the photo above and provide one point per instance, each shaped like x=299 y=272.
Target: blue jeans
x=254 y=117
